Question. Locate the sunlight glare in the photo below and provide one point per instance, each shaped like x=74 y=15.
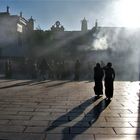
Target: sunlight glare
x=129 y=13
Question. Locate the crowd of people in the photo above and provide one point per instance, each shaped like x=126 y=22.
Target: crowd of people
x=59 y=70
x=42 y=69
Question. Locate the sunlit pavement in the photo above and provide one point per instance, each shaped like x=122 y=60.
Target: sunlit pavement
x=66 y=110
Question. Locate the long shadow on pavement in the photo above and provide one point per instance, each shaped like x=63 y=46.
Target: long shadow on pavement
x=96 y=111
x=40 y=82
x=17 y=84
x=6 y=81
x=33 y=82
x=58 y=84
x=75 y=129
x=78 y=110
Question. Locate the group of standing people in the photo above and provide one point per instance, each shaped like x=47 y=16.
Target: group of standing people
x=52 y=70
x=108 y=73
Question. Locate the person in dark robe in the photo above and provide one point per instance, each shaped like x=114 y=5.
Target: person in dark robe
x=77 y=70
x=98 y=77
x=109 y=79
x=43 y=69
x=8 y=69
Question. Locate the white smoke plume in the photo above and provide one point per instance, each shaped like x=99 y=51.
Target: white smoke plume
x=121 y=46
x=100 y=43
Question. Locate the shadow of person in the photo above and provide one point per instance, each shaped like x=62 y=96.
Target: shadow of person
x=59 y=84
x=18 y=84
x=76 y=130
x=40 y=82
x=78 y=110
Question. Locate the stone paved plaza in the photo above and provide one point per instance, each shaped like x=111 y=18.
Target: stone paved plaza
x=67 y=110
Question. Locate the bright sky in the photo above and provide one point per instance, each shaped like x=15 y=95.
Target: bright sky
x=71 y=12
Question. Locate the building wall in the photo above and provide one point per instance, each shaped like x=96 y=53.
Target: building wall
x=8 y=30
x=13 y=34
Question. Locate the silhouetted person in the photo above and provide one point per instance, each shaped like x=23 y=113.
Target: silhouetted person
x=31 y=68
x=34 y=70
x=77 y=70
x=98 y=77
x=43 y=69
x=62 y=70
x=52 y=70
x=109 y=79
x=8 y=69
x=90 y=71
x=58 y=70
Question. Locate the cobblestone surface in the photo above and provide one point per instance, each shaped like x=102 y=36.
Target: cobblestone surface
x=68 y=110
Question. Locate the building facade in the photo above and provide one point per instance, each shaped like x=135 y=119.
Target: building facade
x=13 y=32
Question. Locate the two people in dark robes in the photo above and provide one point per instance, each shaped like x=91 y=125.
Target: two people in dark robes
x=99 y=73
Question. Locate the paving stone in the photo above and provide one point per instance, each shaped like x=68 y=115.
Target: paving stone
x=24 y=103
x=14 y=117
x=11 y=128
x=29 y=123
x=69 y=137
x=111 y=124
x=135 y=124
x=119 y=137
x=49 y=117
x=21 y=136
x=44 y=107
x=120 y=119
x=35 y=129
x=122 y=107
x=127 y=131
x=4 y=122
x=110 y=114
x=51 y=103
x=58 y=130
x=50 y=110
x=97 y=131
x=33 y=113
x=8 y=112
x=10 y=105
x=18 y=109
x=123 y=111
x=58 y=114
x=62 y=106
x=129 y=115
